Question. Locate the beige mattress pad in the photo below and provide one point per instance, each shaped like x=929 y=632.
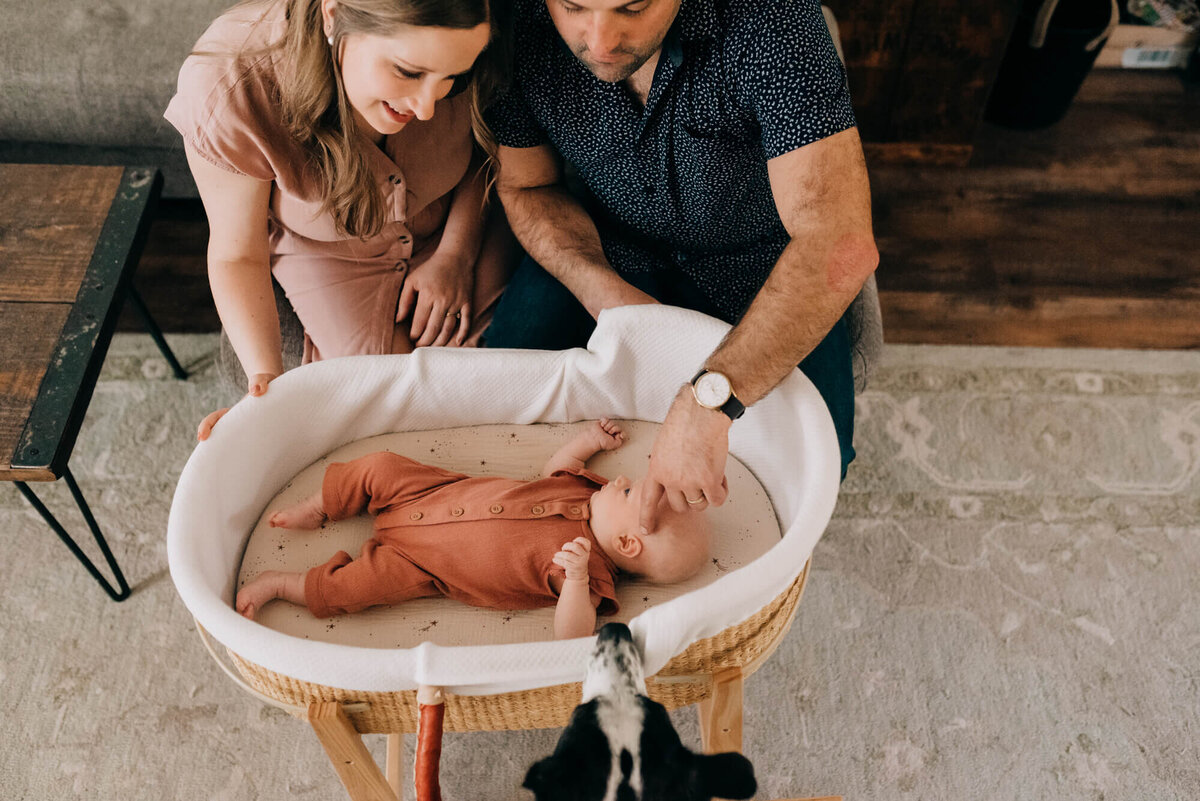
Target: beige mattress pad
x=745 y=527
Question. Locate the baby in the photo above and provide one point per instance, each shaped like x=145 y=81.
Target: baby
x=558 y=540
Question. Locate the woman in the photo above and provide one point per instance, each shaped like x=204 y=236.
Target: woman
x=333 y=143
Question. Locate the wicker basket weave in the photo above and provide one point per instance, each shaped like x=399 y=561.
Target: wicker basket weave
x=684 y=680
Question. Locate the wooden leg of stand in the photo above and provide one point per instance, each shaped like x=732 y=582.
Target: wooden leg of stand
x=350 y=757
x=721 y=713
x=395 y=763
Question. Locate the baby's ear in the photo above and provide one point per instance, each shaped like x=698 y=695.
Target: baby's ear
x=629 y=545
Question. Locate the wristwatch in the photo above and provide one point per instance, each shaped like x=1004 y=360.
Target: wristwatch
x=712 y=390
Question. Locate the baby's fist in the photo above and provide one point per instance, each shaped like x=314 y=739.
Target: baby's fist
x=609 y=435
x=573 y=558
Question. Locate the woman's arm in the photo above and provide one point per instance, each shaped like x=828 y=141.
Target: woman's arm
x=462 y=236
x=239 y=265
x=438 y=292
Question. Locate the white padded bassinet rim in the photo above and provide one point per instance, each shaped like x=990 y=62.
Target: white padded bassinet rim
x=635 y=362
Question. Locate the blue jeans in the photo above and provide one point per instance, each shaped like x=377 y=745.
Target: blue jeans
x=536 y=311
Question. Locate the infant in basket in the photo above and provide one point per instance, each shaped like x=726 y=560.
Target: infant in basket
x=558 y=540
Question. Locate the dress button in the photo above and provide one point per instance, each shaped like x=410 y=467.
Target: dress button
x=457 y=511
x=539 y=509
x=415 y=516
x=496 y=509
x=575 y=510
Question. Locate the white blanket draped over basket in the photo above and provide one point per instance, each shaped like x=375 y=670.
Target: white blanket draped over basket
x=634 y=364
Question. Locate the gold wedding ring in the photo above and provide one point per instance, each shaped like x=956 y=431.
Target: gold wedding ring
x=698 y=500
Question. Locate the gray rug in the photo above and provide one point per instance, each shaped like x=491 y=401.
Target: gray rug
x=1004 y=606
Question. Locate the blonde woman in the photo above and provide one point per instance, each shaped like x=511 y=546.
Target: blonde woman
x=336 y=145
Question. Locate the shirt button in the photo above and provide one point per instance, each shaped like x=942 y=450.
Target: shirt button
x=539 y=509
x=575 y=510
x=457 y=511
x=415 y=516
x=496 y=509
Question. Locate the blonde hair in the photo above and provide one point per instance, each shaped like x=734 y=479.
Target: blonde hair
x=317 y=111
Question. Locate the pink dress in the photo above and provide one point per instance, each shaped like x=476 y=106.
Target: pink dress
x=344 y=290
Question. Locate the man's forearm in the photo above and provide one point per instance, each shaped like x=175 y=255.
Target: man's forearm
x=792 y=313
x=558 y=233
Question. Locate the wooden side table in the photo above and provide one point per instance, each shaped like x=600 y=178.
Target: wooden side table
x=70 y=238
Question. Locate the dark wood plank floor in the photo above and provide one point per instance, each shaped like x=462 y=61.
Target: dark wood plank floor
x=1085 y=234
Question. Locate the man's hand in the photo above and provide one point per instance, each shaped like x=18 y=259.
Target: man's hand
x=573 y=558
x=687 y=462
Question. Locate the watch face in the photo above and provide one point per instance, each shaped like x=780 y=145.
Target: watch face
x=712 y=390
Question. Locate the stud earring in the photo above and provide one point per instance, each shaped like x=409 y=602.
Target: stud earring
x=329 y=39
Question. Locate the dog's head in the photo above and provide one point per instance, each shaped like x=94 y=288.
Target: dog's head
x=621 y=746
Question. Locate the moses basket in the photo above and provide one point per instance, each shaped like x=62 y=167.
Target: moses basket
x=633 y=366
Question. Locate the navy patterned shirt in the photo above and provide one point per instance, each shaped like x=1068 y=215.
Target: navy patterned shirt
x=682 y=183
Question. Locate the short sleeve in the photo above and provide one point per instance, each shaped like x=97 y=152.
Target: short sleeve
x=511 y=120
x=227 y=115
x=788 y=74
x=581 y=472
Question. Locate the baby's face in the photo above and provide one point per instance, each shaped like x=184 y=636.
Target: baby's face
x=615 y=509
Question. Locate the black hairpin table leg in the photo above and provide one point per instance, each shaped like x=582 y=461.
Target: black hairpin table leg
x=155 y=332
x=116 y=595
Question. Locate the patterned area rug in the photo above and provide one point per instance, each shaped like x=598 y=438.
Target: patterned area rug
x=1005 y=605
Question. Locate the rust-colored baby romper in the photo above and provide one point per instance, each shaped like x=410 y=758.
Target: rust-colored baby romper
x=485 y=541
x=344 y=290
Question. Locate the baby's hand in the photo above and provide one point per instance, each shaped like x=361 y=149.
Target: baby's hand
x=573 y=558
x=607 y=435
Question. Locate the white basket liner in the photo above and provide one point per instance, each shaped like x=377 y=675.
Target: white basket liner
x=636 y=360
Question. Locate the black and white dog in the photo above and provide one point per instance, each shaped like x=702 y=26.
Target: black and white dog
x=621 y=746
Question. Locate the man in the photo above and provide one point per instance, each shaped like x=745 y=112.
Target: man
x=717 y=142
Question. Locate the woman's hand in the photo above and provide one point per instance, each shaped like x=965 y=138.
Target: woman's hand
x=257 y=386
x=438 y=292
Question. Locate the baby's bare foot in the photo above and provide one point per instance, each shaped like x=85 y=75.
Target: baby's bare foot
x=308 y=514
x=260 y=590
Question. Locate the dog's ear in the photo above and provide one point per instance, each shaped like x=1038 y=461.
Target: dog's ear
x=543 y=778
x=727 y=775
